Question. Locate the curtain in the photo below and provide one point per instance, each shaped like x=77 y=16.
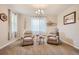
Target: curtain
x=38 y=25
x=13 y=24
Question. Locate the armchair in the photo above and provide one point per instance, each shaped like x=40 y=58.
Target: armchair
x=27 y=39
x=53 y=38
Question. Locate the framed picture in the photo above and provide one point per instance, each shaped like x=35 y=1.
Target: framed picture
x=70 y=18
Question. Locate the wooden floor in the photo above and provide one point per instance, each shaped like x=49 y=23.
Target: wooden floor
x=17 y=49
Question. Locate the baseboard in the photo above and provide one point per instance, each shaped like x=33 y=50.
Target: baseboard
x=70 y=44
x=8 y=44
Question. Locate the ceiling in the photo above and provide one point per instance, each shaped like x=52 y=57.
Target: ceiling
x=49 y=9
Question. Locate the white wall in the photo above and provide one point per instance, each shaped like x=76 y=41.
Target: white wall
x=52 y=19
x=4 y=28
x=21 y=27
x=69 y=33
x=28 y=23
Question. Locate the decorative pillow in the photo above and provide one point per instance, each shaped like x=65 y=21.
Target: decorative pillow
x=52 y=34
x=28 y=38
x=52 y=38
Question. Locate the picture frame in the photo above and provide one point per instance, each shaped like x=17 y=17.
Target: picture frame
x=70 y=18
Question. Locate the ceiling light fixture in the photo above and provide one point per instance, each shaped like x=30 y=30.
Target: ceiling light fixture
x=39 y=11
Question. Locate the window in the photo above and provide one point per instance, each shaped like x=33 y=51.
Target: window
x=38 y=24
